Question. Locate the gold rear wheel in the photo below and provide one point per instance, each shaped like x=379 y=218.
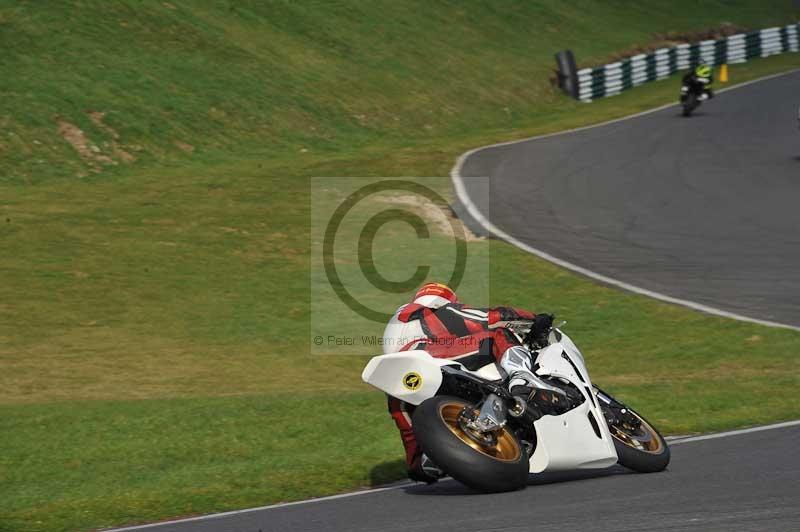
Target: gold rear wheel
x=486 y=461
x=501 y=445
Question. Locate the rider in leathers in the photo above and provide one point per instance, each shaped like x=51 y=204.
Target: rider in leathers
x=437 y=323
x=698 y=81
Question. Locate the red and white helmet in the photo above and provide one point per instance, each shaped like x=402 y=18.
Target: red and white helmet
x=435 y=295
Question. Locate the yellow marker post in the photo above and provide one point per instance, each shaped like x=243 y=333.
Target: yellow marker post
x=723 y=74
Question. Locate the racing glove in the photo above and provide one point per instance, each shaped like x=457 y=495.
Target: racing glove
x=542 y=325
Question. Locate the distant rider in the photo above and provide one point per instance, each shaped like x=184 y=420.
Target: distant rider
x=437 y=323
x=698 y=81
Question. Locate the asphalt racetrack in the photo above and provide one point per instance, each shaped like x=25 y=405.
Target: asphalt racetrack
x=704 y=209
x=745 y=482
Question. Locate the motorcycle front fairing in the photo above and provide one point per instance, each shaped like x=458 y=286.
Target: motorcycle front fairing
x=579 y=438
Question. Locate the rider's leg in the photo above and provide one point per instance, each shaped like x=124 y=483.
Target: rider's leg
x=401 y=412
x=517 y=361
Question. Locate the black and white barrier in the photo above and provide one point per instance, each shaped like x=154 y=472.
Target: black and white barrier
x=614 y=78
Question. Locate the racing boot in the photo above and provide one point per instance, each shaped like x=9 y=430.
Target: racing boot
x=424 y=470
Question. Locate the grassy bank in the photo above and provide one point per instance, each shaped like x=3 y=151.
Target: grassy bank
x=175 y=82
x=149 y=312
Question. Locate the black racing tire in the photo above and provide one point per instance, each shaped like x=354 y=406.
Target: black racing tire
x=689 y=105
x=642 y=461
x=503 y=467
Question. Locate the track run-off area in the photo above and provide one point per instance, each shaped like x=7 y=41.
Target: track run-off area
x=700 y=211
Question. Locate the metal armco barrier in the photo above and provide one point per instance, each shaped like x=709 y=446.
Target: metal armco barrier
x=611 y=79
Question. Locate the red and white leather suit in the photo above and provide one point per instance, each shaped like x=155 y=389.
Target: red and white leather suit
x=438 y=324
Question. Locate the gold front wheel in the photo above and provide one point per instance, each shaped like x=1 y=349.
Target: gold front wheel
x=638 y=444
x=643 y=437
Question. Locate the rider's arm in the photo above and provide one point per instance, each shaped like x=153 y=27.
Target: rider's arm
x=502 y=316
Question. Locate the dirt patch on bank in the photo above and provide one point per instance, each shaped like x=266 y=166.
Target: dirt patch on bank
x=117 y=149
x=96 y=155
x=441 y=219
x=88 y=151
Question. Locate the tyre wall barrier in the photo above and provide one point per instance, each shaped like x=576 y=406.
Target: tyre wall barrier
x=612 y=79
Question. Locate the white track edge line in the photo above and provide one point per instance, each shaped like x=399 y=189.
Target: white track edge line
x=686 y=439
x=738 y=432
x=458 y=184
x=259 y=508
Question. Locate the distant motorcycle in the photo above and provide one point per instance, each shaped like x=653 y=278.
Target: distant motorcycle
x=696 y=88
x=470 y=425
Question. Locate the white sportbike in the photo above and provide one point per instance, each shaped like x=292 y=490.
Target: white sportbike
x=469 y=424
